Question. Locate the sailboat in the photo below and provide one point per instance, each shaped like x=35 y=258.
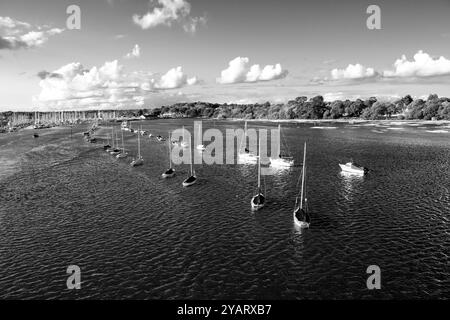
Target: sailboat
x=169 y=173
x=281 y=160
x=114 y=151
x=183 y=143
x=123 y=153
x=259 y=200
x=107 y=146
x=192 y=178
x=139 y=160
x=246 y=156
x=301 y=214
x=200 y=147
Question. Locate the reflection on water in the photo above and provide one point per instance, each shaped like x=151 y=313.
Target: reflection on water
x=136 y=235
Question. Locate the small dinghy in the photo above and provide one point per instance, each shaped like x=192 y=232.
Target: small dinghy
x=35 y=135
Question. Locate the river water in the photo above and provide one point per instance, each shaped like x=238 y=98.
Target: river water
x=135 y=235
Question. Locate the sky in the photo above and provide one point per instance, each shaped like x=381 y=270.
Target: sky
x=144 y=54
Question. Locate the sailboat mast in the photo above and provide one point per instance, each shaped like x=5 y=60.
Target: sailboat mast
x=139 y=143
x=259 y=165
x=112 y=137
x=303 y=176
x=190 y=156
x=279 y=141
x=123 y=146
x=170 y=152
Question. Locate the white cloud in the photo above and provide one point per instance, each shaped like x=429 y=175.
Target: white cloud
x=73 y=86
x=15 y=34
x=239 y=71
x=168 y=12
x=174 y=78
x=135 y=52
x=353 y=71
x=9 y=23
x=423 y=65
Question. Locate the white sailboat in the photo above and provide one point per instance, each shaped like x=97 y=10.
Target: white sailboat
x=115 y=150
x=123 y=153
x=169 y=173
x=183 y=143
x=139 y=160
x=301 y=214
x=200 y=147
x=246 y=156
x=192 y=178
x=281 y=160
x=259 y=200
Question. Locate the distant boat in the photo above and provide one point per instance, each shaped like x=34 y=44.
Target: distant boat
x=183 y=143
x=281 y=160
x=301 y=214
x=123 y=153
x=259 y=200
x=200 y=147
x=192 y=178
x=160 y=138
x=354 y=168
x=139 y=160
x=169 y=173
x=115 y=151
x=35 y=135
x=107 y=146
x=246 y=156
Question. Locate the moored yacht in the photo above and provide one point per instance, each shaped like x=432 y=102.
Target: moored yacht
x=354 y=168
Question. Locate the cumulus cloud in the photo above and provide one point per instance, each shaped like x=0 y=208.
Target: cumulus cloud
x=74 y=86
x=174 y=78
x=423 y=65
x=15 y=34
x=239 y=71
x=135 y=52
x=353 y=71
x=168 y=12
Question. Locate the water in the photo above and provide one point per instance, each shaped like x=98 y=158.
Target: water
x=134 y=235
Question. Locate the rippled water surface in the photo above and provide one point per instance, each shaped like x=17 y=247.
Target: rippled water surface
x=134 y=235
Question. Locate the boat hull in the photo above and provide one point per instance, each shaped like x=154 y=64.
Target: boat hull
x=137 y=162
x=121 y=155
x=281 y=162
x=257 y=206
x=247 y=158
x=188 y=184
x=347 y=169
x=301 y=224
x=168 y=175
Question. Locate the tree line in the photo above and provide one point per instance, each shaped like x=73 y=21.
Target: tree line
x=314 y=108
